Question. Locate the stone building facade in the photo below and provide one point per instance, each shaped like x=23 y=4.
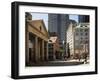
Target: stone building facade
x=81 y=39
x=36 y=41
x=77 y=36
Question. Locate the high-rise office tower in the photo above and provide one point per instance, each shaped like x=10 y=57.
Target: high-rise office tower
x=83 y=18
x=57 y=23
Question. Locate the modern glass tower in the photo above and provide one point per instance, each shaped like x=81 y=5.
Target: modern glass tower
x=83 y=18
x=58 y=23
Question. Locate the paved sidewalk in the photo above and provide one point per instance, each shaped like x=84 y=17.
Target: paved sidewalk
x=58 y=63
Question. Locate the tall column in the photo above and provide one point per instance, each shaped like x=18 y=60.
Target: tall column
x=39 y=53
x=27 y=47
x=42 y=50
x=47 y=51
x=33 y=49
x=36 y=49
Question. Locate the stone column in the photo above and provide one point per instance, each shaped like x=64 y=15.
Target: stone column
x=47 y=51
x=42 y=50
x=39 y=55
x=36 y=49
x=33 y=49
x=27 y=48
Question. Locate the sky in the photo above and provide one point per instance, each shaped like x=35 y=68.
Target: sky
x=38 y=16
x=44 y=17
x=74 y=17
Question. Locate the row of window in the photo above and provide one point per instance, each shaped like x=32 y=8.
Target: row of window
x=84 y=26
x=82 y=30
x=82 y=41
x=81 y=33
x=82 y=38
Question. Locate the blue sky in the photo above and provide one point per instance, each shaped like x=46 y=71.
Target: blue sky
x=44 y=16
x=38 y=16
x=74 y=17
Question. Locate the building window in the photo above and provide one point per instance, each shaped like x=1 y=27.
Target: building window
x=86 y=33
x=81 y=33
x=77 y=30
x=81 y=38
x=86 y=41
x=81 y=41
x=40 y=28
x=81 y=30
x=81 y=26
x=85 y=26
x=76 y=33
x=86 y=30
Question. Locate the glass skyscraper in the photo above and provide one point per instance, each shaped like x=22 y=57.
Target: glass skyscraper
x=58 y=23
